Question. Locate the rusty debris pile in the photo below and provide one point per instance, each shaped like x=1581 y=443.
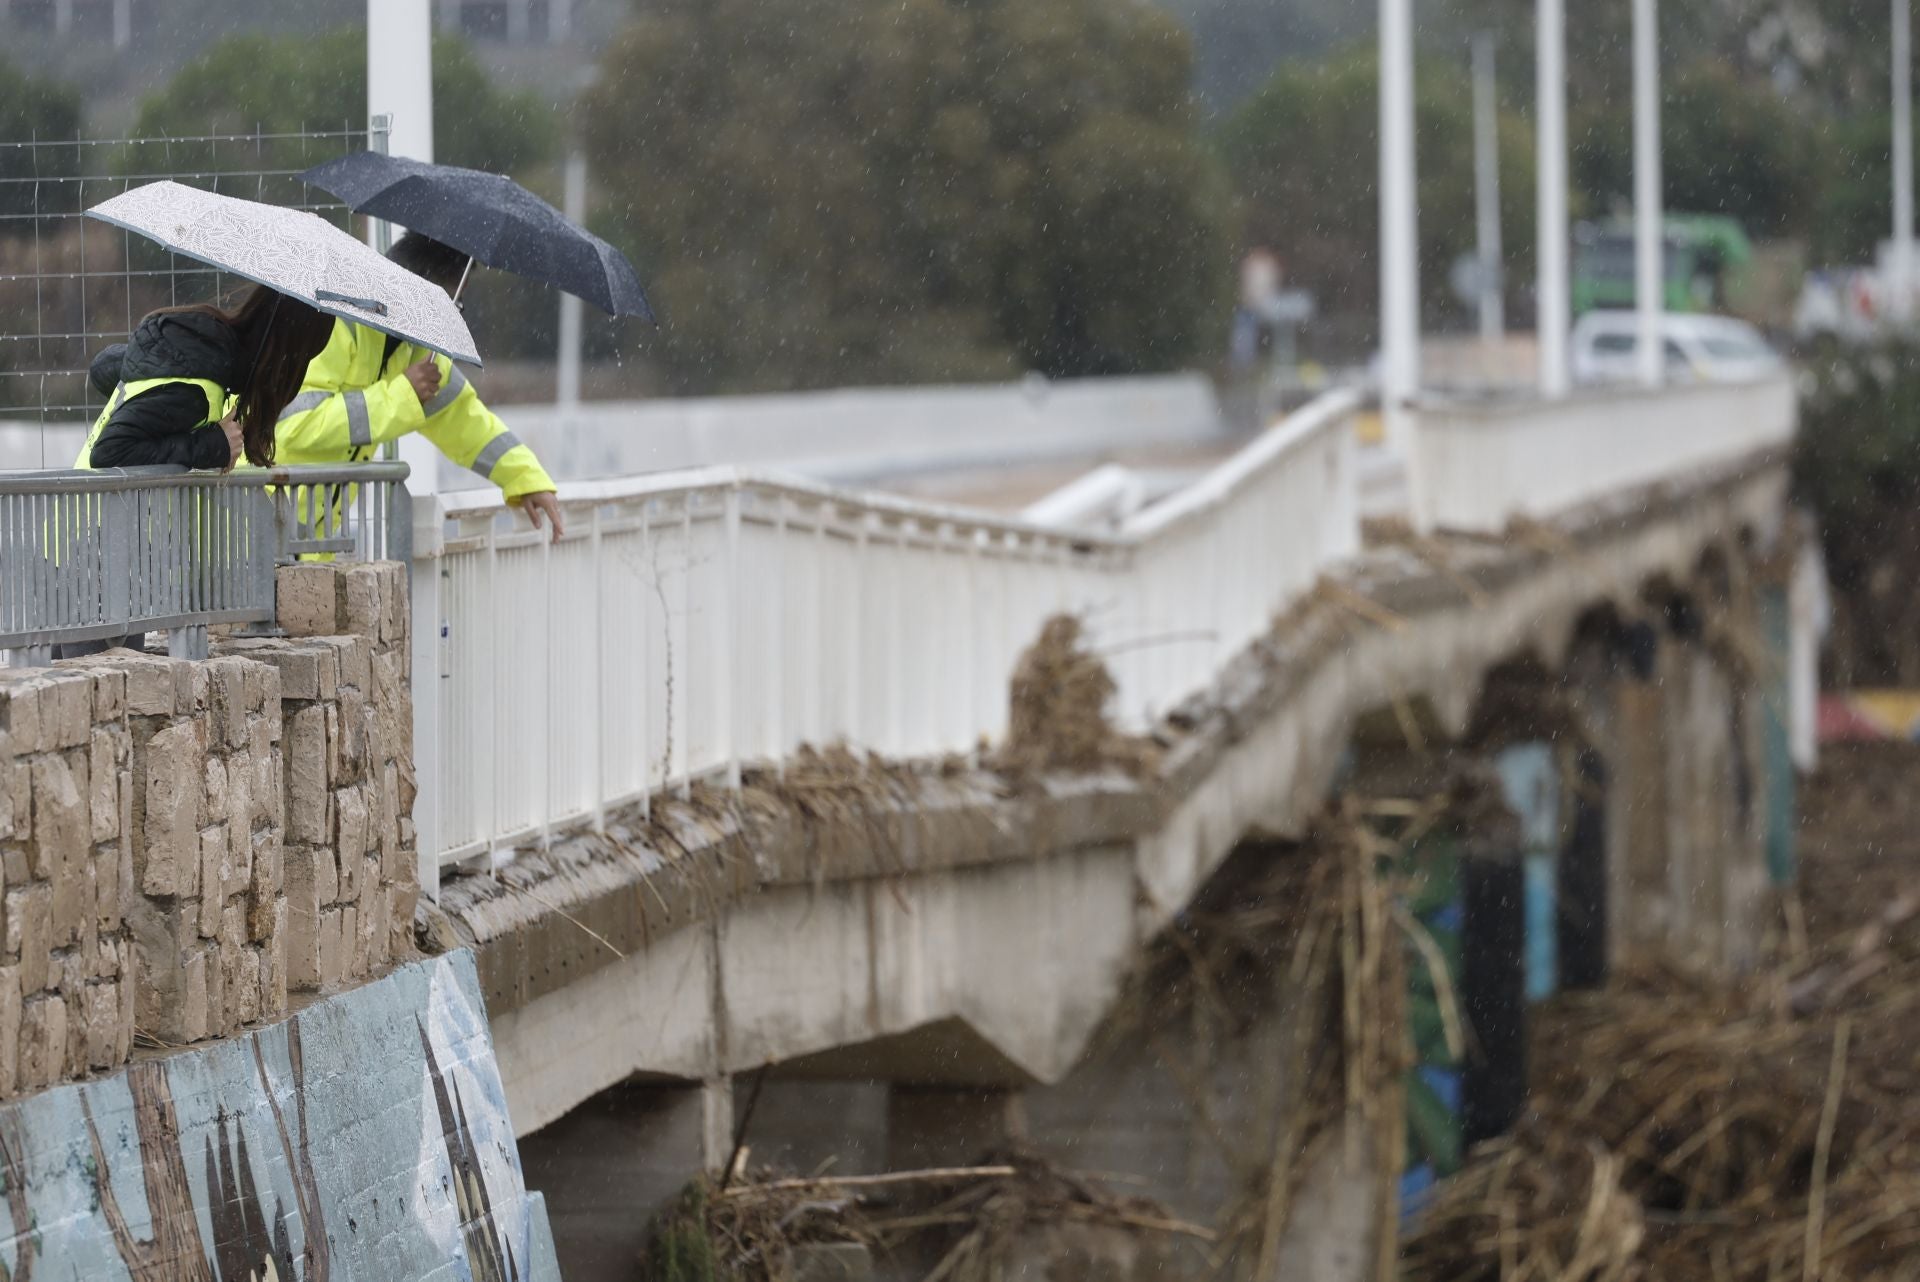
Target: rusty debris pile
x=1686 y=1129
x=961 y=1224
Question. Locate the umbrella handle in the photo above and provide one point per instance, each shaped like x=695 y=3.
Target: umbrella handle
x=373 y=305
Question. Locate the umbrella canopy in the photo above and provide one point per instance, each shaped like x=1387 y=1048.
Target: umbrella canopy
x=491 y=219
x=300 y=254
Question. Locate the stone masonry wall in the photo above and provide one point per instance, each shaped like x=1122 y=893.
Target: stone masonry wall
x=66 y=1004
x=206 y=903
x=352 y=877
x=182 y=844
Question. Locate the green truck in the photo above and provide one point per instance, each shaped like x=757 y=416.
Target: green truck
x=1705 y=257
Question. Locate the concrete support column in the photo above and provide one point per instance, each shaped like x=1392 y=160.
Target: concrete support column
x=1493 y=987
x=716 y=1123
x=1699 y=768
x=1807 y=618
x=62 y=18
x=1530 y=783
x=610 y=1165
x=933 y=1126
x=1777 y=751
x=1640 y=779
x=1691 y=763
x=1585 y=919
x=1593 y=859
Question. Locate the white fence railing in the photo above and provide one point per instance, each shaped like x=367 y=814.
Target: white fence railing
x=1479 y=464
x=694 y=622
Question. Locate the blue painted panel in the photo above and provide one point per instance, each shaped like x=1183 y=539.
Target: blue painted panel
x=1445 y=1083
x=1782 y=830
x=1416 y=1190
x=1543 y=926
x=366 y=1137
x=1530 y=785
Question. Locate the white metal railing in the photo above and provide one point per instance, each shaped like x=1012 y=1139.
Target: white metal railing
x=1479 y=464
x=1098 y=500
x=694 y=622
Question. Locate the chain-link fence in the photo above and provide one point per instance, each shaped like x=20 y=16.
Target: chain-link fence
x=71 y=285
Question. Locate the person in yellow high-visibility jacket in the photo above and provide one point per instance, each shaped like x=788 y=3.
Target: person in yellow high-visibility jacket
x=366 y=388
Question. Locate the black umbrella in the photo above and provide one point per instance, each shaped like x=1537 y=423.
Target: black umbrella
x=491 y=219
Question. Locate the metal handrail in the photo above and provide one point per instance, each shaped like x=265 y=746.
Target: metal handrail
x=92 y=555
x=108 y=479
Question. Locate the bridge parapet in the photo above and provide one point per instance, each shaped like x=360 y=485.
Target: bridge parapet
x=1479 y=464
x=694 y=623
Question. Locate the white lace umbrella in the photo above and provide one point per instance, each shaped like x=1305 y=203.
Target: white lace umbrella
x=300 y=254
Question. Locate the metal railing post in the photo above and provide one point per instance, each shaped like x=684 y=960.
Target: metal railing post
x=727 y=711
x=596 y=737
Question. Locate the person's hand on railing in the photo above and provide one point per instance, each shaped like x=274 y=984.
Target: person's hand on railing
x=231 y=426
x=425 y=378
x=544 y=503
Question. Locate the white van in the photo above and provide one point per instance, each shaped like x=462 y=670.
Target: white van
x=1706 y=349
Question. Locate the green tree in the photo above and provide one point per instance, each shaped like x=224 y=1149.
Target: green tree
x=1857 y=466
x=1729 y=145
x=1305 y=152
x=290 y=84
x=1854 y=209
x=31 y=108
x=823 y=191
x=287 y=84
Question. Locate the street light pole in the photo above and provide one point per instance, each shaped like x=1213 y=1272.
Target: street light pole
x=400 y=88
x=1399 y=225
x=567 y=367
x=1554 y=309
x=1902 y=161
x=1486 y=190
x=1649 y=218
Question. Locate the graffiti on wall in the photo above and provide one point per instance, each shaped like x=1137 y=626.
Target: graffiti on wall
x=366 y=1137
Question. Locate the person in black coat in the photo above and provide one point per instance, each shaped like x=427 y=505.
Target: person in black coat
x=170 y=384
x=182 y=364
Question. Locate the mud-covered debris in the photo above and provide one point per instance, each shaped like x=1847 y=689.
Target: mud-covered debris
x=1058 y=712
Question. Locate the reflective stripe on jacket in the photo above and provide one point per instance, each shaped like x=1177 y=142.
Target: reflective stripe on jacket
x=356 y=397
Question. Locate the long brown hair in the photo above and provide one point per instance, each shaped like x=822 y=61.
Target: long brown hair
x=279 y=337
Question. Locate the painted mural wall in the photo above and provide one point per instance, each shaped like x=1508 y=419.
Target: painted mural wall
x=365 y=1137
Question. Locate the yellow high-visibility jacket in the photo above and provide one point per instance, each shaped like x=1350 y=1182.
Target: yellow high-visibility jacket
x=355 y=397
x=217 y=404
